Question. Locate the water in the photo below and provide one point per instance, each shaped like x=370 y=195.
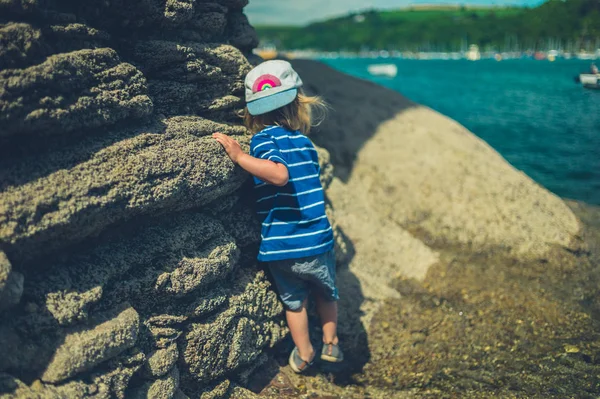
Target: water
x=531 y=112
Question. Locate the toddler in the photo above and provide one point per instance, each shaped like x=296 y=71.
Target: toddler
x=296 y=237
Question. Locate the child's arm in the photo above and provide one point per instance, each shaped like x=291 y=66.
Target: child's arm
x=268 y=171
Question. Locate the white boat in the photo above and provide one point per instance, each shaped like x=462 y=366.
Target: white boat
x=473 y=54
x=583 y=55
x=590 y=80
x=389 y=70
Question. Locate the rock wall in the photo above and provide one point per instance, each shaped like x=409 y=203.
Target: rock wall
x=127 y=241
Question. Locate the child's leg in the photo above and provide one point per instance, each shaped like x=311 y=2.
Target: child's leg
x=298 y=323
x=328 y=313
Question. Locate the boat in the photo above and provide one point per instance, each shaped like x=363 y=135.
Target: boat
x=589 y=80
x=388 y=70
x=266 y=53
x=473 y=54
x=584 y=55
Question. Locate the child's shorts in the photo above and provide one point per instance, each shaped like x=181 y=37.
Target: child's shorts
x=295 y=278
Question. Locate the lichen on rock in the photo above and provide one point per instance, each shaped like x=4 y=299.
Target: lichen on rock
x=49 y=99
x=236 y=336
x=84 y=348
x=124 y=227
x=161 y=361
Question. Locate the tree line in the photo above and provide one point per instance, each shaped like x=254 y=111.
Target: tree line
x=570 y=25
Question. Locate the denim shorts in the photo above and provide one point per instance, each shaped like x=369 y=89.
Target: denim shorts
x=295 y=278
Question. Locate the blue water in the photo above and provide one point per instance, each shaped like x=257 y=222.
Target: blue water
x=532 y=112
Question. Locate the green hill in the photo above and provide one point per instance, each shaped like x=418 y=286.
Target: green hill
x=572 y=24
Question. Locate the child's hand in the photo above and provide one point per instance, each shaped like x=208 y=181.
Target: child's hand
x=231 y=146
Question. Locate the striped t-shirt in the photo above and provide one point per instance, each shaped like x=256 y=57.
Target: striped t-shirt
x=294 y=224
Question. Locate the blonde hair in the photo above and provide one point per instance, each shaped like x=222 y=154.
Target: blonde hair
x=301 y=114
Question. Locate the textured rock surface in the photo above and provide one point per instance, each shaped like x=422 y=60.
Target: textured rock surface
x=112 y=380
x=49 y=98
x=145 y=173
x=127 y=242
x=162 y=388
x=236 y=336
x=161 y=361
x=83 y=349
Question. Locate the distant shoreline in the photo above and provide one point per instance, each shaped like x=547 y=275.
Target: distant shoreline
x=551 y=55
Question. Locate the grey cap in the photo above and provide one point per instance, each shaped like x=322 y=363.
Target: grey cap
x=271 y=85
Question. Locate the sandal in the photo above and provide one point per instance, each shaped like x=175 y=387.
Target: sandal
x=332 y=353
x=296 y=362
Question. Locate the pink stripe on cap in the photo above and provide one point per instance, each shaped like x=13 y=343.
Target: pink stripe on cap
x=265 y=82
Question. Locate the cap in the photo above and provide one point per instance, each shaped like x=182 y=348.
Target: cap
x=271 y=85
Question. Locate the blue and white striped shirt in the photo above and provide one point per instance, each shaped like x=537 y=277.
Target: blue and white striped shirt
x=294 y=223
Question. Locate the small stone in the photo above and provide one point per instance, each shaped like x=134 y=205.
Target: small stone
x=217 y=391
x=163 y=388
x=571 y=348
x=162 y=360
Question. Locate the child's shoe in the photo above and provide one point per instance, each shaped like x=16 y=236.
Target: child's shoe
x=332 y=353
x=296 y=362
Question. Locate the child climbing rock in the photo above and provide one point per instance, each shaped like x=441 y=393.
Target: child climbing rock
x=297 y=239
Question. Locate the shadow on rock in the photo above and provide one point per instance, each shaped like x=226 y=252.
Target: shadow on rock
x=345 y=133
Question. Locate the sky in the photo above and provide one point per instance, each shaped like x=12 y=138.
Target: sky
x=301 y=12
